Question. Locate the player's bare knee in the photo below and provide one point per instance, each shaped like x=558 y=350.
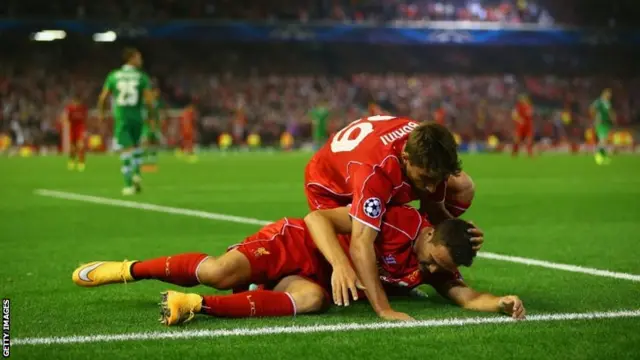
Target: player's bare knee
x=212 y=272
x=308 y=297
x=310 y=300
x=226 y=272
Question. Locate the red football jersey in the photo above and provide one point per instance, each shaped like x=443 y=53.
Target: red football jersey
x=525 y=112
x=187 y=121
x=76 y=113
x=361 y=165
x=398 y=264
x=286 y=248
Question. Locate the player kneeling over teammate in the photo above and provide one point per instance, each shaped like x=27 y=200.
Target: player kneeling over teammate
x=284 y=258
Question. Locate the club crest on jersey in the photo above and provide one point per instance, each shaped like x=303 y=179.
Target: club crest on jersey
x=260 y=251
x=373 y=207
x=389 y=259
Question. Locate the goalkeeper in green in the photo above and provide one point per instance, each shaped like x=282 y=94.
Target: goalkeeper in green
x=319 y=119
x=130 y=91
x=603 y=121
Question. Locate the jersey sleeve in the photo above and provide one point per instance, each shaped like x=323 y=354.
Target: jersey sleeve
x=110 y=83
x=373 y=187
x=371 y=191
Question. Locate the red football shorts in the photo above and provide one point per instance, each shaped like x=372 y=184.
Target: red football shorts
x=318 y=195
x=76 y=133
x=524 y=131
x=279 y=250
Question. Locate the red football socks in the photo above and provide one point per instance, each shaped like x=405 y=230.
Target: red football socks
x=176 y=269
x=516 y=147
x=259 y=303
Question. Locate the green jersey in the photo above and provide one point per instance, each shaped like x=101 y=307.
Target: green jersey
x=603 y=111
x=127 y=85
x=320 y=117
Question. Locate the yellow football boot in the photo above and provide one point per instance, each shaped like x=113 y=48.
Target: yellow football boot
x=599 y=159
x=99 y=273
x=177 y=308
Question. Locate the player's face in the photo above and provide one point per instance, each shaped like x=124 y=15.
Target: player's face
x=137 y=59
x=606 y=94
x=420 y=179
x=433 y=258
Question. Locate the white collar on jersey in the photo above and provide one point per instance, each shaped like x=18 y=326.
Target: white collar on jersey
x=128 y=67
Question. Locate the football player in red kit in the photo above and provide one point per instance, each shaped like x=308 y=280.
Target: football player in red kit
x=187 y=131
x=377 y=161
x=284 y=257
x=522 y=116
x=75 y=119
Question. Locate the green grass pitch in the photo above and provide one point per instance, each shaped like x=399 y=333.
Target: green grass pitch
x=559 y=208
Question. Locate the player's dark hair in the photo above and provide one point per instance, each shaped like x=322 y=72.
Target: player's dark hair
x=128 y=53
x=454 y=235
x=432 y=147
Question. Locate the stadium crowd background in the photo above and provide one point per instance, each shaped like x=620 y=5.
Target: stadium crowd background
x=267 y=88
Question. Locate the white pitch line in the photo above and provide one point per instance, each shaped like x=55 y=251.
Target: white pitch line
x=275 y=330
x=558 y=266
x=252 y=221
x=149 y=207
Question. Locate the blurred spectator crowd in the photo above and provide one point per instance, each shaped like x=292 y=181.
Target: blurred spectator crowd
x=507 y=11
x=271 y=88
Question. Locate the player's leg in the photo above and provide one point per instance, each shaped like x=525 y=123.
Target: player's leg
x=148 y=143
x=135 y=129
x=293 y=295
x=529 y=142
x=602 y=133
x=188 y=269
x=126 y=145
x=152 y=151
x=187 y=147
x=71 y=164
x=79 y=141
x=517 y=139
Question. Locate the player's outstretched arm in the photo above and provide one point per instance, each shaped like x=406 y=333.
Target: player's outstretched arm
x=364 y=259
x=470 y=299
x=102 y=101
x=324 y=225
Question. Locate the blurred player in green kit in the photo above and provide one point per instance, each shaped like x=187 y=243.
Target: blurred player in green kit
x=152 y=134
x=603 y=121
x=320 y=117
x=130 y=90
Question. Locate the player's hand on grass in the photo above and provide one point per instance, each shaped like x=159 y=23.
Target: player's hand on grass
x=477 y=237
x=393 y=315
x=344 y=280
x=513 y=306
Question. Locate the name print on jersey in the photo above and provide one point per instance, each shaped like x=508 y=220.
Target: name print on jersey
x=397 y=134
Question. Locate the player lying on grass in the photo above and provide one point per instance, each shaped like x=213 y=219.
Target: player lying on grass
x=376 y=161
x=284 y=258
